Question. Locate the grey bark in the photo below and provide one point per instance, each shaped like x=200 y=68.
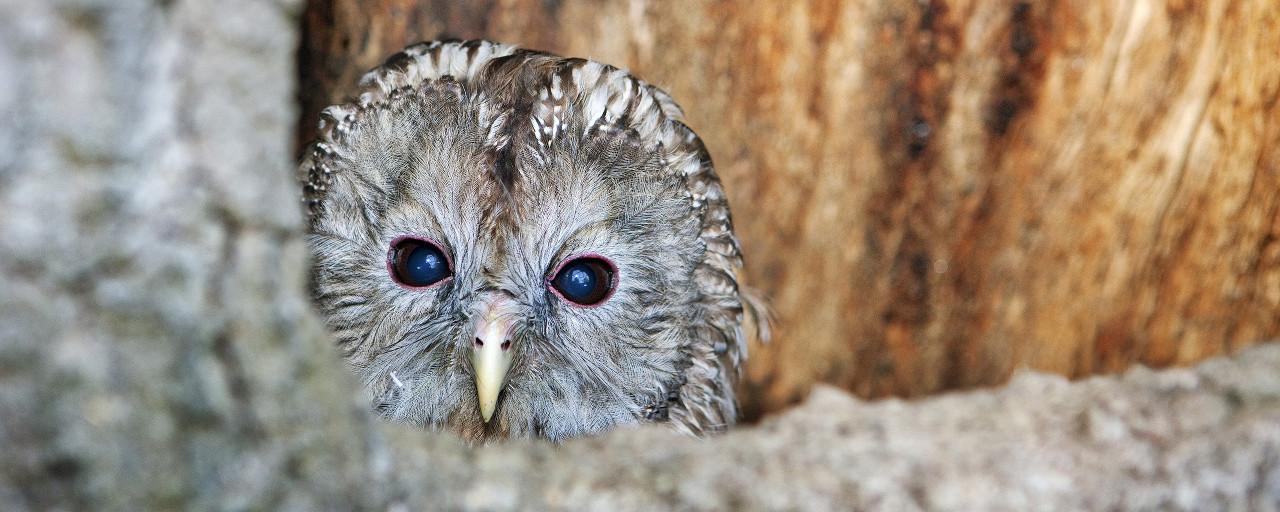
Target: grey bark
x=157 y=350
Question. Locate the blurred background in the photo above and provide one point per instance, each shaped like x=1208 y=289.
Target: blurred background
x=934 y=194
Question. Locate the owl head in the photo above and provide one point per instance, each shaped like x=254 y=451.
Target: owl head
x=508 y=243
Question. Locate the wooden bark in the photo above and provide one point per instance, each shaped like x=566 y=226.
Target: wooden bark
x=933 y=194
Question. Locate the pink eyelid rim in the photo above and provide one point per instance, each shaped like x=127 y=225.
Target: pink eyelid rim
x=391 y=260
x=613 y=282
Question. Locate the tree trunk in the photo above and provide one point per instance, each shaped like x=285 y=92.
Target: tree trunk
x=933 y=194
x=157 y=351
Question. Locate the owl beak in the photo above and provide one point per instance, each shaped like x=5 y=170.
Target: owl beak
x=491 y=355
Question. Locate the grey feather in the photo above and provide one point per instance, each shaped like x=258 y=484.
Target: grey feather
x=514 y=160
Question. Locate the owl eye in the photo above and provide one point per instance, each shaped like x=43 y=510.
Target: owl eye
x=585 y=281
x=417 y=263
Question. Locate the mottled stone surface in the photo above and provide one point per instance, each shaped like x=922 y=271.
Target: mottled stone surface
x=157 y=351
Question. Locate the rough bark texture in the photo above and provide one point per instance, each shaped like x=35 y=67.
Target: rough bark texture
x=157 y=351
x=935 y=193
x=1207 y=439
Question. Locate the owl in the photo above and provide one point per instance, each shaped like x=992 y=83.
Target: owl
x=508 y=243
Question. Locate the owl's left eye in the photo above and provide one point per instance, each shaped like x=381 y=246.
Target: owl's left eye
x=418 y=263
x=585 y=281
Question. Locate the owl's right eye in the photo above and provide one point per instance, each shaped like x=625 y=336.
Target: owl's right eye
x=417 y=263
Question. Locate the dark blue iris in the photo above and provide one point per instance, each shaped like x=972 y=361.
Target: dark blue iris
x=418 y=263
x=585 y=281
x=577 y=281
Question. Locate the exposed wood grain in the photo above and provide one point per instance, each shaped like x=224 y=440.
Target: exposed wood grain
x=936 y=193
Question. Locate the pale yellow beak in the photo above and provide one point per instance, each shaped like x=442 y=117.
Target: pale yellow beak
x=491 y=353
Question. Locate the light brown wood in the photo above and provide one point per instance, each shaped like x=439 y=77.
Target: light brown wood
x=933 y=194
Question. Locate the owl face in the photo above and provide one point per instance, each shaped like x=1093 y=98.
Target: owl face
x=502 y=247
